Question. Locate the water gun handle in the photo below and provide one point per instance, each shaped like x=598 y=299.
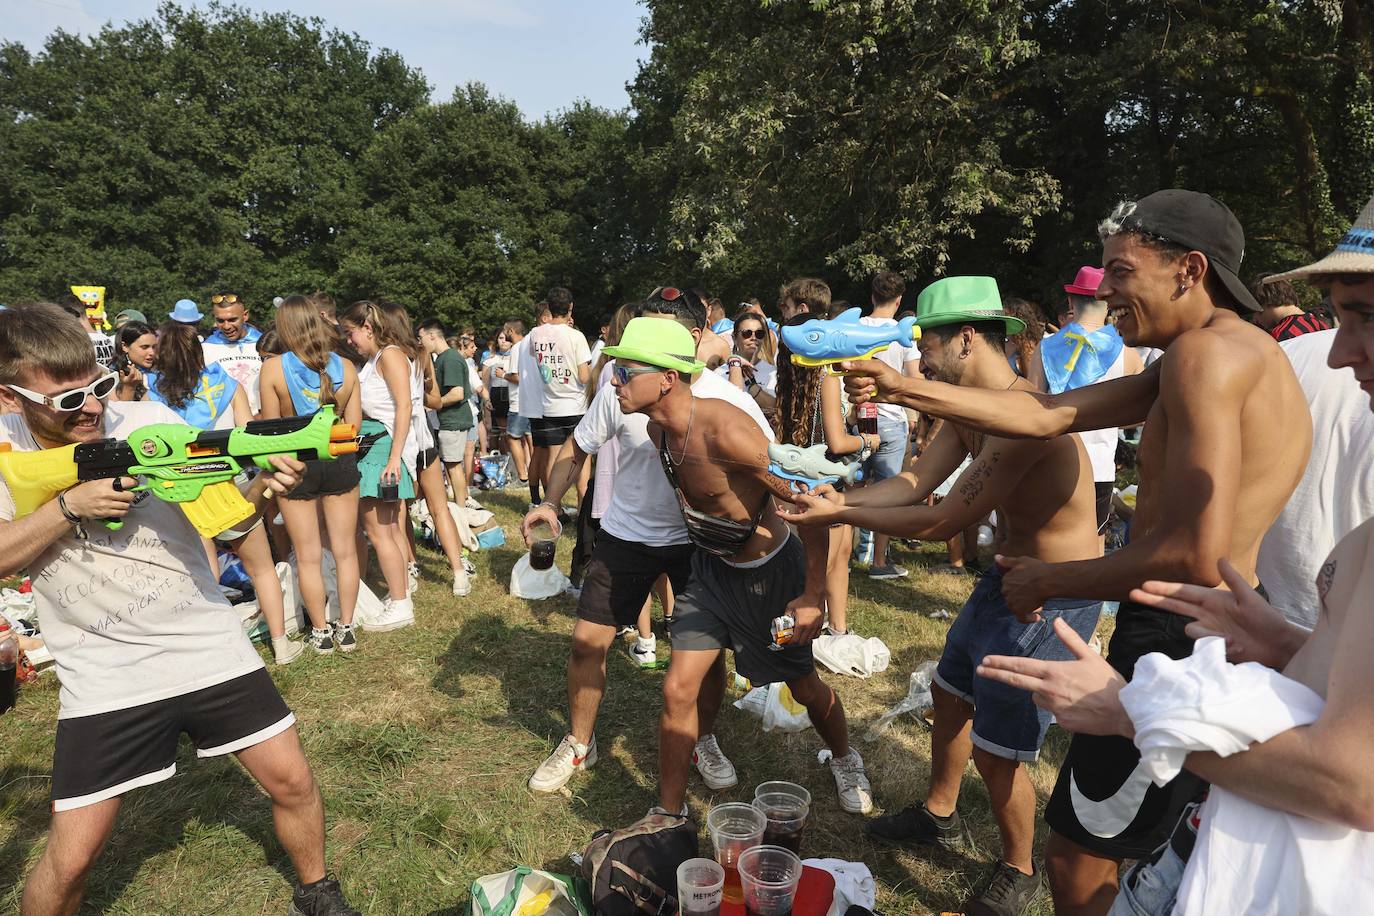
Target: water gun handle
x=34 y=478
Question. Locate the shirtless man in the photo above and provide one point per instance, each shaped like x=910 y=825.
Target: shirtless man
x=1227 y=435
x=747 y=568
x=1042 y=491
x=1323 y=771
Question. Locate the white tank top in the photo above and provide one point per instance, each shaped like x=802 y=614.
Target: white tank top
x=377 y=403
x=1101 y=443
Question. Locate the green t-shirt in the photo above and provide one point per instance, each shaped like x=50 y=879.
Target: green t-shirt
x=451 y=371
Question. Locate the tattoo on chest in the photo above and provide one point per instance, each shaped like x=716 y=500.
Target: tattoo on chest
x=978 y=478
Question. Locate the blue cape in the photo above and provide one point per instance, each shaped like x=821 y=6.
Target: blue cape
x=1073 y=357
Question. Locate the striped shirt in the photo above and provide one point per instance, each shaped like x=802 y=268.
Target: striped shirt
x=1297 y=325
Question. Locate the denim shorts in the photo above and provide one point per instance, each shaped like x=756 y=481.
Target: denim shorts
x=1006 y=722
x=517 y=427
x=887 y=460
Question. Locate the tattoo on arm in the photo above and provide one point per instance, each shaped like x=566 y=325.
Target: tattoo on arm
x=978 y=478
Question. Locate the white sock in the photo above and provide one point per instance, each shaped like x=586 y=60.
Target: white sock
x=646 y=643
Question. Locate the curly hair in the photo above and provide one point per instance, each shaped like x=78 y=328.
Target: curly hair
x=799 y=392
x=180 y=362
x=1024 y=344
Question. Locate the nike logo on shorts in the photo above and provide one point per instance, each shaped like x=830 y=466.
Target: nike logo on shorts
x=1111 y=816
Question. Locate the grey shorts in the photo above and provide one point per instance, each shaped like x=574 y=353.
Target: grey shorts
x=453 y=444
x=732 y=607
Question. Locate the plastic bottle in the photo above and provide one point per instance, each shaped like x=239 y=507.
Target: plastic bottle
x=868 y=418
x=9 y=665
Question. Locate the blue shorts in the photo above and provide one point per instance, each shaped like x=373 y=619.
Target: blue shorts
x=887 y=460
x=517 y=427
x=1006 y=722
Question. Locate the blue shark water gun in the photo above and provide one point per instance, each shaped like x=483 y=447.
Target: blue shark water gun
x=825 y=342
x=809 y=466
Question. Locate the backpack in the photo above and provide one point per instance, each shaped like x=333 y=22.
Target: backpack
x=633 y=871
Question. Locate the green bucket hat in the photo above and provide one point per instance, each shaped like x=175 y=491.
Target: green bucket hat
x=659 y=342
x=963 y=299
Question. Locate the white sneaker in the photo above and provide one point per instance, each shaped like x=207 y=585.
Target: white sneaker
x=396 y=613
x=851 y=781
x=645 y=652
x=284 y=651
x=412 y=577
x=568 y=758
x=462 y=583
x=715 y=768
x=472 y=503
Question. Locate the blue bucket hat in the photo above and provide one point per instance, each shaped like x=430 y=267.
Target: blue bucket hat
x=186 y=312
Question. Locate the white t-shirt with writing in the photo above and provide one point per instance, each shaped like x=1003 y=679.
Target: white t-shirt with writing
x=135 y=615
x=895 y=356
x=531 y=402
x=559 y=350
x=241 y=361
x=643 y=507
x=1336 y=493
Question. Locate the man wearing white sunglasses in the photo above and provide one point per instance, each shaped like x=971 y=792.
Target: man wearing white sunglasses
x=146 y=647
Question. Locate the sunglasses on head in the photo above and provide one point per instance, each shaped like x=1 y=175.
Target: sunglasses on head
x=623 y=374
x=667 y=293
x=75 y=399
x=224 y=299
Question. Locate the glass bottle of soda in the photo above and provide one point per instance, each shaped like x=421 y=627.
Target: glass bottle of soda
x=868 y=418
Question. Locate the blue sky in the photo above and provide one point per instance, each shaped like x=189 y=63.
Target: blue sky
x=543 y=54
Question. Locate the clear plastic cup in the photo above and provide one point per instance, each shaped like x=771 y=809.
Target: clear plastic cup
x=700 y=886
x=734 y=828
x=787 y=815
x=543 y=545
x=786 y=788
x=769 y=876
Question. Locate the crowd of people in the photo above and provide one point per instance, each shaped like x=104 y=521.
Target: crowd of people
x=994 y=419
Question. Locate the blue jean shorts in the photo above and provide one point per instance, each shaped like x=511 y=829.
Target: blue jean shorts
x=887 y=460
x=517 y=427
x=1006 y=722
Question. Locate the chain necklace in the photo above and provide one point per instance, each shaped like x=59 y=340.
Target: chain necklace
x=677 y=462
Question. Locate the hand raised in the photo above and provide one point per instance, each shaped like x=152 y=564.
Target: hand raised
x=1083 y=694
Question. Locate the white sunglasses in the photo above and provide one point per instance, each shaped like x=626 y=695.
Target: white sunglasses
x=69 y=401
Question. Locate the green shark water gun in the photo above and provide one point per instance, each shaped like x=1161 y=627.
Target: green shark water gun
x=178 y=464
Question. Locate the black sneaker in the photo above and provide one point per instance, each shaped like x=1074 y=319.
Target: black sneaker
x=344 y=639
x=323 y=898
x=914 y=824
x=1009 y=893
x=322 y=641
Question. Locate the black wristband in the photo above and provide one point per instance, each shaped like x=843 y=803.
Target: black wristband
x=67 y=513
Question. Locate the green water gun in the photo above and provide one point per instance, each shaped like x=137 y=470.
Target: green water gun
x=179 y=464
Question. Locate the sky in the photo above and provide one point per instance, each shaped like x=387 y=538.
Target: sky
x=542 y=54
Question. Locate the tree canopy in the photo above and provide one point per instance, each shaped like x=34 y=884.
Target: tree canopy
x=219 y=150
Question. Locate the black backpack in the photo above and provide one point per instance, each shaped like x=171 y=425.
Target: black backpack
x=633 y=871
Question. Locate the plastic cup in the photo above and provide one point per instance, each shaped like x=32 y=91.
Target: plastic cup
x=700 y=886
x=786 y=788
x=543 y=545
x=769 y=876
x=787 y=815
x=734 y=828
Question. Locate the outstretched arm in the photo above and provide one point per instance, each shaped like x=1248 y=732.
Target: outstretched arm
x=1010 y=414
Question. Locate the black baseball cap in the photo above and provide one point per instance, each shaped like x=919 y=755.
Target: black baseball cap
x=1198 y=222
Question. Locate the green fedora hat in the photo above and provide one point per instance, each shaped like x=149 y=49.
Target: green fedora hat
x=959 y=300
x=658 y=342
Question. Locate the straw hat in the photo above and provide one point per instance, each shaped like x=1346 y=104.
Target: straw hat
x=1354 y=253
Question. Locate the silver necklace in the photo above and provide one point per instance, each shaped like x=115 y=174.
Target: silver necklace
x=677 y=462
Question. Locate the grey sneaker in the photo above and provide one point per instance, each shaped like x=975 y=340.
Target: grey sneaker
x=344 y=638
x=889 y=571
x=715 y=768
x=1009 y=893
x=322 y=641
x=851 y=782
x=323 y=898
x=915 y=824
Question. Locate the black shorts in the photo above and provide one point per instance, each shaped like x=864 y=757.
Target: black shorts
x=550 y=432
x=500 y=403
x=1103 y=799
x=105 y=755
x=621 y=574
x=425 y=457
x=732 y=607
x=1103 y=489
x=327 y=478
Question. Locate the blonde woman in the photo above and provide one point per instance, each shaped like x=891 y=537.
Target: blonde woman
x=307 y=376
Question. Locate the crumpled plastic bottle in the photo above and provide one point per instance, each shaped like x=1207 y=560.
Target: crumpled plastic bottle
x=917 y=699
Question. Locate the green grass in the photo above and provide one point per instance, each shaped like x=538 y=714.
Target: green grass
x=422 y=741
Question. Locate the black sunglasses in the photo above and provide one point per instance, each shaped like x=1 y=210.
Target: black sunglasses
x=751 y=333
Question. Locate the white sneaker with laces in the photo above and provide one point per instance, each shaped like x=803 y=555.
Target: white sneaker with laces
x=472 y=503
x=851 y=781
x=715 y=768
x=645 y=652
x=462 y=583
x=568 y=758
x=396 y=613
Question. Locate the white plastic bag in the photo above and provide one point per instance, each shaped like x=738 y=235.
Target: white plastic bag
x=917 y=699
x=528 y=582
x=368 y=606
x=776 y=706
x=851 y=654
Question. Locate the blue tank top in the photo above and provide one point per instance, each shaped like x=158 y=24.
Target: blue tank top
x=213 y=395
x=303 y=383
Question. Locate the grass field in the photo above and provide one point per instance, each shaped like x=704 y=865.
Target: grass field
x=422 y=741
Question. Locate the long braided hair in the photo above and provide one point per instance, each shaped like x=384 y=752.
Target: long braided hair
x=797 y=416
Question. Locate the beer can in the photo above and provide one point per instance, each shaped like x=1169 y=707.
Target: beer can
x=783 y=627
